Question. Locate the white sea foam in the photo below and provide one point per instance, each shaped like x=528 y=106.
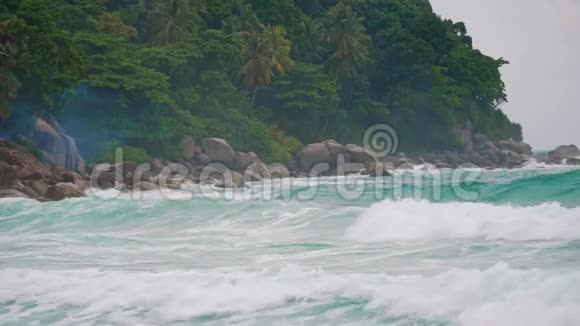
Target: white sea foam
x=500 y=295
x=409 y=220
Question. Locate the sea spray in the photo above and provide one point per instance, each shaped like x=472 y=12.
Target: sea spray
x=509 y=258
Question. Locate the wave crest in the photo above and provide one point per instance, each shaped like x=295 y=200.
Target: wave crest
x=409 y=220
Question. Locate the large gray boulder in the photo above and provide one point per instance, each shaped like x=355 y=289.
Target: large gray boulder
x=492 y=156
x=336 y=150
x=22 y=175
x=231 y=180
x=313 y=154
x=218 y=150
x=511 y=159
x=38 y=186
x=244 y=160
x=156 y=166
x=12 y=193
x=8 y=175
x=561 y=153
x=514 y=146
x=27 y=166
x=257 y=172
x=104 y=180
x=62 y=191
x=188 y=147
x=360 y=155
x=202 y=159
x=565 y=151
x=378 y=169
x=279 y=171
x=145 y=186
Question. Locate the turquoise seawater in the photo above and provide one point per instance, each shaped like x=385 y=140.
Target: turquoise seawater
x=491 y=248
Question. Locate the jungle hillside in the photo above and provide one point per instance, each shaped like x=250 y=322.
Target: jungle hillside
x=266 y=75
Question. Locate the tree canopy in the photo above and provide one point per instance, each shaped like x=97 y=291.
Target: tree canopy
x=264 y=75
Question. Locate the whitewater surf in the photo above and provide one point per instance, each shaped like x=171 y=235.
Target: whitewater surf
x=301 y=254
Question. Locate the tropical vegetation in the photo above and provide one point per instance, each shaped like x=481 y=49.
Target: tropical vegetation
x=266 y=75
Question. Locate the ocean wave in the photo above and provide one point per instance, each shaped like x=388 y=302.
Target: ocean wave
x=409 y=220
x=500 y=295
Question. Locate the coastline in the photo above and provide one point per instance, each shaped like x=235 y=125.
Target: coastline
x=214 y=163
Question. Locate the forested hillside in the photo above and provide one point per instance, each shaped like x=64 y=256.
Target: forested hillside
x=266 y=75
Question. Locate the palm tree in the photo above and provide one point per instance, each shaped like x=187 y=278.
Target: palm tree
x=265 y=53
x=346 y=36
x=279 y=48
x=309 y=46
x=257 y=70
x=178 y=19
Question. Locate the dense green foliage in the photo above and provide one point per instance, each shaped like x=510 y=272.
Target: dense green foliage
x=265 y=75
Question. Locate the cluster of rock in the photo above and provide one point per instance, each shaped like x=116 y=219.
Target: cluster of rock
x=62 y=173
x=332 y=158
x=22 y=175
x=565 y=154
x=213 y=161
x=480 y=151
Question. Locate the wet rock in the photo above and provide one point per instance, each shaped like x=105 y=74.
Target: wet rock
x=565 y=151
x=257 y=171
x=573 y=161
x=406 y=166
x=358 y=154
x=442 y=166
x=104 y=180
x=12 y=193
x=145 y=186
x=378 y=169
x=279 y=171
x=399 y=159
x=232 y=180
x=62 y=191
x=561 y=153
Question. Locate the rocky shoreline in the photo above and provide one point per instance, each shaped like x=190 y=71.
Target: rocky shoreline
x=214 y=162
x=60 y=172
